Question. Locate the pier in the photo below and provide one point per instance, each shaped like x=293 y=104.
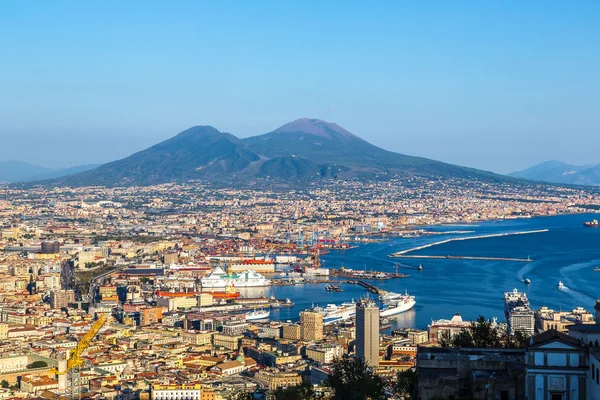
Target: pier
x=404 y=253
x=466 y=258
x=371 y=288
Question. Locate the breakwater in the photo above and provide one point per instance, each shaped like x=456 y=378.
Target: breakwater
x=404 y=253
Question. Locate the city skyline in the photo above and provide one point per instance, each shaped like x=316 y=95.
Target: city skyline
x=496 y=87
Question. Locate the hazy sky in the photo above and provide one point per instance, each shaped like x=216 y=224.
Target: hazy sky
x=498 y=85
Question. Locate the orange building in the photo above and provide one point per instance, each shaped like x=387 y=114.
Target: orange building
x=150 y=315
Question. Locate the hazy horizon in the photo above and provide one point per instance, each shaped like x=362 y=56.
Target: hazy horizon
x=495 y=86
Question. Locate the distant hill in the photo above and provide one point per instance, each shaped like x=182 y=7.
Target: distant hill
x=64 y=172
x=305 y=149
x=560 y=172
x=19 y=171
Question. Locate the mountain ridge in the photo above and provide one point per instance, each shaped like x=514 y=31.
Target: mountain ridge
x=562 y=173
x=21 y=171
x=306 y=149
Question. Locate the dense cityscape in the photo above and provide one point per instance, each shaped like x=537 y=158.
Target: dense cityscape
x=134 y=293
x=299 y=200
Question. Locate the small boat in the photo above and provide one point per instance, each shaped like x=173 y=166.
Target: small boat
x=597 y=269
x=527 y=281
x=333 y=288
x=561 y=286
x=257 y=315
x=420 y=268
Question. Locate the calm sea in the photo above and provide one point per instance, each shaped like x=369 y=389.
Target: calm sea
x=568 y=252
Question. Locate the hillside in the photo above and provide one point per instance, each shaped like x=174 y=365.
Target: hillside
x=19 y=171
x=302 y=150
x=563 y=173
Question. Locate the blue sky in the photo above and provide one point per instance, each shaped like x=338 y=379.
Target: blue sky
x=493 y=85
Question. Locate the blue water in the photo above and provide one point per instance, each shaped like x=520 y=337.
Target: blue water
x=567 y=252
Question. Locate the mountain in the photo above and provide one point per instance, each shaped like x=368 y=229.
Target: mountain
x=198 y=152
x=63 y=172
x=302 y=150
x=19 y=171
x=560 y=172
x=333 y=147
x=15 y=171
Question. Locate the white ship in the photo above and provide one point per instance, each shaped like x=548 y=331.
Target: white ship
x=397 y=305
x=389 y=296
x=258 y=314
x=561 y=286
x=219 y=279
x=334 y=313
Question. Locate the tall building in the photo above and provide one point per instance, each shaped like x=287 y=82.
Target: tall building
x=170 y=258
x=235 y=327
x=367 y=332
x=150 y=315
x=50 y=247
x=61 y=298
x=311 y=325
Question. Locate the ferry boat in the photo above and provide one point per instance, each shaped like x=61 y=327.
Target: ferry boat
x=592 y=224
x=334 y=313
x=219 y=279
x=258 y=314
x=561 y=286
x=389 y=296
x=393 y=307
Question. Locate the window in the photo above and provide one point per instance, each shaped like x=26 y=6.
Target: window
x=556 y=396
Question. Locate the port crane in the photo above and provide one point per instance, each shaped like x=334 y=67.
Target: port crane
x=75 y=361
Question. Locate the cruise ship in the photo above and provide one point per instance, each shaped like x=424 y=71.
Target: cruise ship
x=219 y=279
x=334 y=313
x=257 y=315
x=396 y=304
x=518 y=312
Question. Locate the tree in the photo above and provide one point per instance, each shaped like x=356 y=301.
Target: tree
x=482 y=334
x=300 y=392
x=241 y=396
x=352 y=379
x=5 y=384
x=38 y=364
x=406 y=383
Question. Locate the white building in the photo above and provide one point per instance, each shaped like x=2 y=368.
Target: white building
x=557 y=367
x=177 y=392
x=593 y=380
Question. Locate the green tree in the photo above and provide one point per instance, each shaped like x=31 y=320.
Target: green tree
x=300 y=392
x=482 y=334
x=38 y=364
x=241 y=396
x=352 y=379
x=406 y=383
x=5 y=384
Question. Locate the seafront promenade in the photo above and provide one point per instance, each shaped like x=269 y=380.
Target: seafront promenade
x=405 y=253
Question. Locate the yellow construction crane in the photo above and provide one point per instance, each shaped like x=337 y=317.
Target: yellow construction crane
x=75 y=360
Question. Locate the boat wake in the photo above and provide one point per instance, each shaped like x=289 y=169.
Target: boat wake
x=581 y=298
x=525 y=270
x=570 y=273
